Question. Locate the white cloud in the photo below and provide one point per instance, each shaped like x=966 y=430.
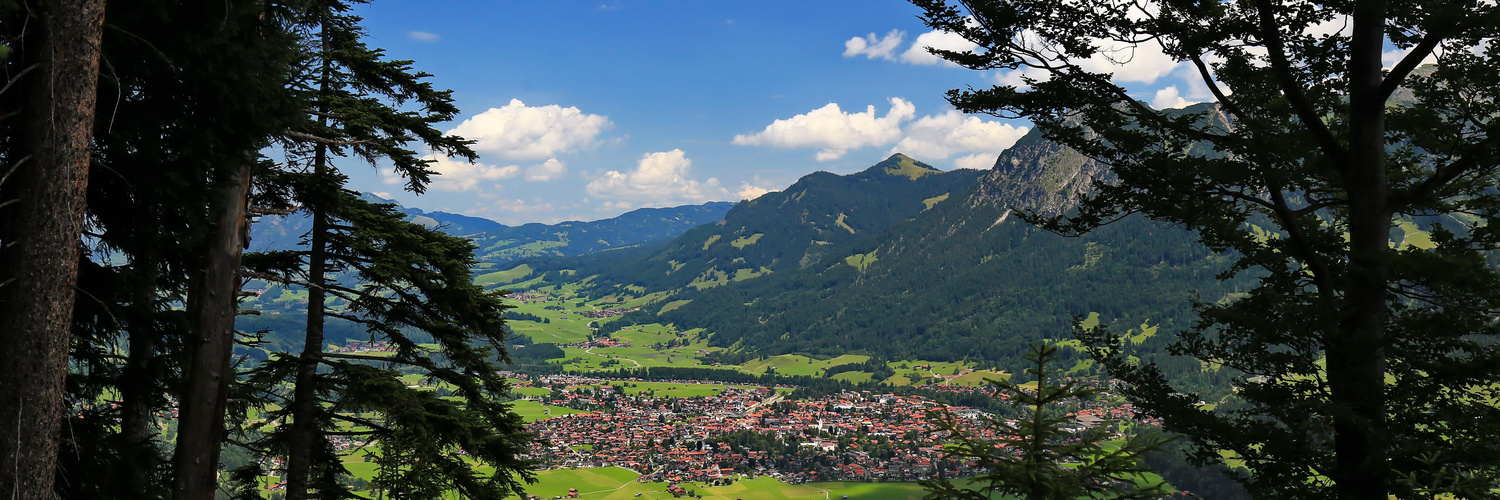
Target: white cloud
x=1336 y=25
x=982 y=161
x=549 y=170
x=749 y=192
x=521 y=132
x=834 y=131
x=457 y=175
x=1168 y=98
x=874 y=48
x=917 y=53
x=1014 y=77
x=1141 y=63
x=1389 y=59
x=422 y=36
x=952 y=133
x=522 y=206
x=657 y=178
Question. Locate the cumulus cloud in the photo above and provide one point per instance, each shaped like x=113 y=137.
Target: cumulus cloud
x=457 y=175
x=549 y=170
x=935 y=137
x=981 y=161
x=522 y=206
x=657 y=177
x=749 y=192
x=1140 y=63
x=918 y=54
x=832 y=130
x=422 y=36
x=1168 y=98
x=521 y=132
x=1390 y=58
x=609 y=206
x=874 y=48
x=1017 y=77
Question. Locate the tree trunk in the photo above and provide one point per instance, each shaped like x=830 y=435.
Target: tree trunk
x=305 y=434
x=1356 y=356
x=212 y=306
x=40 y=242
x=137 y=388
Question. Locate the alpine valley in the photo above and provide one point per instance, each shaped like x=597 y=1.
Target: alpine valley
x=900 y=279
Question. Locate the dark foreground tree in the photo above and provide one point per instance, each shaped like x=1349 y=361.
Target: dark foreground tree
x=1037 y=457
x=404 y=284
x=1369 y=366
x=43 y=180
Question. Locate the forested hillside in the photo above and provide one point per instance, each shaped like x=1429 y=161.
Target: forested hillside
x=943 y=270
x=783 y=232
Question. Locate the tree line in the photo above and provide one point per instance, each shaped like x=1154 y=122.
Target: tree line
x=138 y=140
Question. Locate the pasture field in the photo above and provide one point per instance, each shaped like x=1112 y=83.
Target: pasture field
x=794 y=364
x=640 y=354
x=507 y=276
x=611 y=483
x=532 y=411
x=678 y=389
x=767 y=488
x=534 y=392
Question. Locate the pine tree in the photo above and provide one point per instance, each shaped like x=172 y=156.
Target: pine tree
x=394 y=279
x=159 y=151
x=1038 y=457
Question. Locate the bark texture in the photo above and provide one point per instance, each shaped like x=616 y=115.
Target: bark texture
x=213 y=306
x=40 y=242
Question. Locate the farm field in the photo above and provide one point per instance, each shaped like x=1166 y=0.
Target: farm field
x=532 y=411
x=610 y=483
x=562 y=306
x=793 y=364
x=680 y=390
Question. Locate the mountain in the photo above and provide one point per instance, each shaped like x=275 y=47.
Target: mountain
x=499 y=244
x=934 y=267
x=281 y=310
x=504 y=244
x=782 y=232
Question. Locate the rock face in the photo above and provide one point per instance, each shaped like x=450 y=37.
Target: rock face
x=1041 y=176
x=1037 y=175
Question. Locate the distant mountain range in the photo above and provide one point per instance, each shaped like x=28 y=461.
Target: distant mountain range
x=500 y=244
x=906 y=262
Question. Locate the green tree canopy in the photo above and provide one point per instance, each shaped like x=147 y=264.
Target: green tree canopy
x=1368 y=366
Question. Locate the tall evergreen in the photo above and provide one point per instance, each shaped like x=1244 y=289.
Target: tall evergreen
x=53 y=62
x=402 y=283
x=160 y=149
x=1038 y=457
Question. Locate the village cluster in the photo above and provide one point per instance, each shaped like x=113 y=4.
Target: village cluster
x=754 y=431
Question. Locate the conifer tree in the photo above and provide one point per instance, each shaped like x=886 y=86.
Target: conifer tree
x=160 y=150
x=44 y=159
x=1366 y=360
x=1038 y=457
x=398 y=281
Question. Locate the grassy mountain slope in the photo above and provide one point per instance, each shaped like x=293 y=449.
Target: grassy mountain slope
x=963 y=279
x=780 y=233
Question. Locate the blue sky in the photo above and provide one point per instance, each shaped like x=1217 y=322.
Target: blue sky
x=587 y=109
